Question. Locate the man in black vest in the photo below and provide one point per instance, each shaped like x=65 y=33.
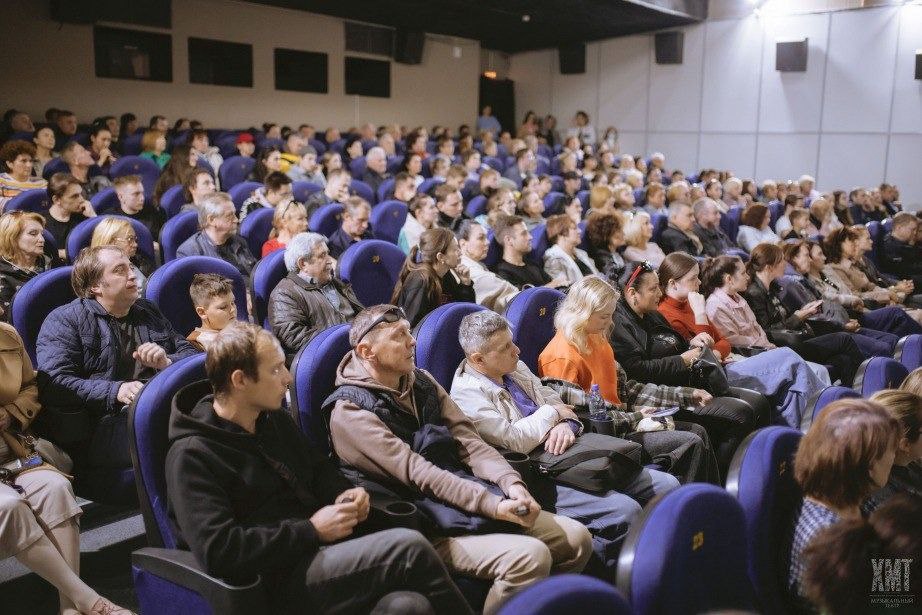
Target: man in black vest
x=395 y=425
x=250 y=496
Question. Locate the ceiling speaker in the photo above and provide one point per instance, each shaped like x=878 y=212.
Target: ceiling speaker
x=572 y=59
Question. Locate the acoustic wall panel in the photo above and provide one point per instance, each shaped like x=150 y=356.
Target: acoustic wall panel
x=731 y=76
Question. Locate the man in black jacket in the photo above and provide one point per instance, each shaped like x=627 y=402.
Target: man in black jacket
x=678 y=236
x=250 y=496
x=707 y=227
x=899 y=255
x=515 y=239
x=354 y=227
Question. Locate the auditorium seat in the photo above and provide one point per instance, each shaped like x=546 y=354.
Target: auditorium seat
x=256 y=227
x=539 y=245
x=494 y=251
x=494 y=163
x=82 y=234
x=583 y=196
x=386 y=189
x=29 y=200
x=35 y=300
x=429 y=185
x=241 y=192
x=172 y=200
x=135 y=165
x=567 y=594
x=372 y=267
x=659 y=222
x=360 y=188
x=358 y=166
x=105 y=201
x=531 y=317
x=302 y=190
x=176 y=230
x=235 y=170
x=387 y=219
x=761 y=478
x=55 y=165
x=168 y=289
x=266 y=275
x=877 y=374
x=476 y=206
x=687 y=554
x=876 y=231
x=823 y=399
x=909 y=351
x=169 y=580
x=327 y=219
x=438 y=350
x=730 y=222
x=550 y=199
x=131 y=145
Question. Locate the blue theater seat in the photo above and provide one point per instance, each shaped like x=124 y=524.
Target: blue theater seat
x=35 y=300
x=531 y=317
x=823 y=399
x=29 y=200
x=267 y=273
x=105 y=201
x=135 y=165
x=241 y=192
x=437 y=348
x=235 y=170
x=172 y=200
x=877 y=374
x=476 y=206
x=429 y=185
x=909 y=352
x=567 y=594
x=360 y=188
x=386 y=189
x=387 y=219
x=176 y=230
x=302 y=190
x=327 y=219
x=659 y=222
x=372 y=267
x=256 y=227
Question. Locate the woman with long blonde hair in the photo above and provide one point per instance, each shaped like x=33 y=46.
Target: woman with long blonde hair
x=580 y=353
x=638 y=236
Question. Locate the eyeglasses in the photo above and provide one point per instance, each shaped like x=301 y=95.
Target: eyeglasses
x=392 y=315
x=129 y=239
x=644 y=267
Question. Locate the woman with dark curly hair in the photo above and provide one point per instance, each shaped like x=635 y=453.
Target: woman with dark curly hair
x=605 y=237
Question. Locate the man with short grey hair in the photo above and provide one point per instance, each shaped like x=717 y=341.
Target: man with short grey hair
x=309 y=299
x=733 y=193
x=217 y=235
x=707 y=227
x=375 y=168
x=512 y=409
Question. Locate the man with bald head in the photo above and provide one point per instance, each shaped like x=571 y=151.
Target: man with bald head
x=707 y=227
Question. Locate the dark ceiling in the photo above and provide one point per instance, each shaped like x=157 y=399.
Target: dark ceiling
x=499 y=24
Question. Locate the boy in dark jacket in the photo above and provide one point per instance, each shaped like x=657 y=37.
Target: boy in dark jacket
x=249 y=495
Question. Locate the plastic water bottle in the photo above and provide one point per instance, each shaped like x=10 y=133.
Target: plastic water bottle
x=597 y=408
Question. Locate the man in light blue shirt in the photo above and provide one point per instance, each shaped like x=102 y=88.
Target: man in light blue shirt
x=487 y=122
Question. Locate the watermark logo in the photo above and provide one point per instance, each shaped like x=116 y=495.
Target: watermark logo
x=890 y=586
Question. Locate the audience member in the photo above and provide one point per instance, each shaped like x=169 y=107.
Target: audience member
x=490 y=290
x=310 y=298
x=404 y=188
x=198 y=141
x=376 y=168
x=85 y=388
x=754 y=227
x=714 y=241
x=844 y=457
x=291 y=152
x=450 y=205
x=101 y=148
x=563 y=258
x=432 y=275
x=679 y=236
x=84 y=169
x=604 y=237
x=118 y=231
x=530 y=208
x=245 y=145
x=654 y=199
x=421 y=216
x=487 y=123
x=336 y=190
x=478 y=486
x=180 y=166
x=269 y=161
x=43 y=139
x=354 y=227
x=638 y=235
x=307 y=169
x=22 y=255
x=17 y=157
x=275 y=192
x=500 y=203
x=733 y=193
x=217 y=236
x=899 y=255
x=515 y=240
x=287 y=221
x=523 y=165
x=69 y=208
x=277 y=525
x=65 y=127
x=905 y=476
x=213 y=298
x=132 y=204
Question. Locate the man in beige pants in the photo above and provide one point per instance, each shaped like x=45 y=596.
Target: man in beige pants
x=377 y=441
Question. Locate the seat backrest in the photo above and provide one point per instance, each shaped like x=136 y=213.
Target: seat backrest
x=776 y=210
x=29 y=200
x=372 y=267
x=566 y=594
x=173 y=200
x=136 y=165
x=659 y=222
x=437 y=348
x=494 y=251
x=761 y=478
x=358 y=166
x=387 y=219
x=876 y=231
x=877 y=374
x=177 y=229
x=168 y=288
x=691 y=541
x=267 y=273
x=148 y=443
x=82 y=234
x=131 y=145
x=313 y=373
x=302 y=190
x=386 y=189
x=241 y=192
x=583 y=196
x=357 y=186
x=476 y=206
x=105 y=201
x=730 y=222
x=327 y=219
x=235 y=170
x=550 y=200
x=55 y=165
x=539 y=245
x=35 y=300
x=429 y=185
x=909 y=351
x=495 y=162
x=256 y=227
x=824 y=398
x=531 y=317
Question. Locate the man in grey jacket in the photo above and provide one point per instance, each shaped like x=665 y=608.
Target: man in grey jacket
x=309 y=299
x=218 y=236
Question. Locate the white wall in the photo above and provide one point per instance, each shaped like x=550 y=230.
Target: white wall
x=46 y=65
x=854 y=117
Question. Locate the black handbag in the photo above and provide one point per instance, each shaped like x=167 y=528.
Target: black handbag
x=707 y=372
x=596 y=463
x=790 y=338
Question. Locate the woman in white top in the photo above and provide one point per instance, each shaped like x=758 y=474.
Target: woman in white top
x=422 y=216
x=564 y=259
x=638 y=235
x=823 y=219
x=490 y=290
x=754 y=227
x=583 y=129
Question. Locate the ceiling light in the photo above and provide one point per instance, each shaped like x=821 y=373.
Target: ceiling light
x=526 y=18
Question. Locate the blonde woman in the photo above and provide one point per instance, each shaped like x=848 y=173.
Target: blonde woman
x=118 y=231
x=288 y=220
x=822 y=218
x=580 y=353
x=638 y=235
x=22 y=254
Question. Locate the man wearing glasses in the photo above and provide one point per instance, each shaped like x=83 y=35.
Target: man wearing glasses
x=394 y=425
x=218 y=236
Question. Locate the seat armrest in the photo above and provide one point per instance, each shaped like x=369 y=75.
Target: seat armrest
x=182 y=569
